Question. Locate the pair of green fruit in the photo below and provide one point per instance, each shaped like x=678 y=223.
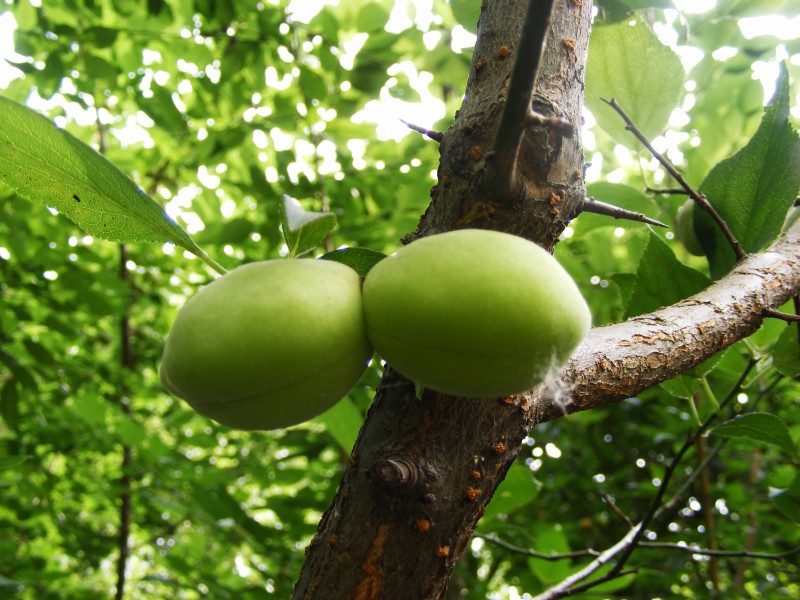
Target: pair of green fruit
x=468 y=313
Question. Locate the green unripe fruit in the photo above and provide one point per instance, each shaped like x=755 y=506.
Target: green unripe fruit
x=684 y=229
x=270 y=344
x=473 y=313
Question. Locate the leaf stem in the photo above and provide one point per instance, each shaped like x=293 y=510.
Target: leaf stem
x=212 y=263
x=709 y=392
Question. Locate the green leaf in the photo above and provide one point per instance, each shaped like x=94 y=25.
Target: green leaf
x=517 y=489
x=786 y=352
x=788 y=501
x=372 y=17
x=9 y=404
x=343 y=421
x=681 y=386
x=759 y=427
x=304 y=230
x=361 y=260
x=628 y=62
x=550 y=539
x=662 y=279
x=48 y=165
x=466 y=12
x=753 y=189
x=12 y=462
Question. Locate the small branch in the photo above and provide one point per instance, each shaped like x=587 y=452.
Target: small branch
x=610 y=501
x=707 y=505
x=532 y=553
x=632 y=539
x=776 y=314
x=517 y=110
x=657 y=502
x=436 y=136
x=690 y=480
x=599 y=581
x=563 y=588
x=693 y=194
x=597 y=207
x=721 y=553
x=666 y=191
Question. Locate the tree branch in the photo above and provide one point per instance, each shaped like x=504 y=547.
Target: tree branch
x=532 y=553
x=721 y=553
x=776 y=314
x=618 y=361
x=633 y=539
x=436 y=136
x=517 y=113
x=701 y=200
x=598 y=207
x=563 y=588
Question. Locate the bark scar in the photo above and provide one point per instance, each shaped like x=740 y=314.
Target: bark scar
x=371 y=586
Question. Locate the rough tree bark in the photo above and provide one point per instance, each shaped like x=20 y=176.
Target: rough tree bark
x=423 y=469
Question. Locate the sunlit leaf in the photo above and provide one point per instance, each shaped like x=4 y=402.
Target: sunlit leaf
x=48 y=165
x=342 y=421
x=753 y=189
x=304 y=230
x=627 y=62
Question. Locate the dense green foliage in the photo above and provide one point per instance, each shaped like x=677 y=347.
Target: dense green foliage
x=219 y=110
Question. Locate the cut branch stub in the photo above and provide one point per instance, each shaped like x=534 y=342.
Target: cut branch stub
x=397 y=475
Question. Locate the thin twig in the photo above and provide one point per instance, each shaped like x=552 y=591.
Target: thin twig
x=533 y=553
x=701 y=200
x=632 y=539
x=436 y=136
x=721 y=553
x=689 y=482
x=610 y=501
x=656 y=503
x=563 y=588
x=666 y=191
x=599 y=581
x=592 y=205
x=776 y=314
x=501 y=171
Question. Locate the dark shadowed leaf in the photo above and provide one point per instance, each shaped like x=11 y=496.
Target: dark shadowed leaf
x=759 y=427
x=788 y=501
x=662 y=279
x=361 y=260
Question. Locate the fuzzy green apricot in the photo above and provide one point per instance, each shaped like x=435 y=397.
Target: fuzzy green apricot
x=473 y=313
x=270 y=344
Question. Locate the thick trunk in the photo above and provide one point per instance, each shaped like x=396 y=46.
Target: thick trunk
x=423 y=469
